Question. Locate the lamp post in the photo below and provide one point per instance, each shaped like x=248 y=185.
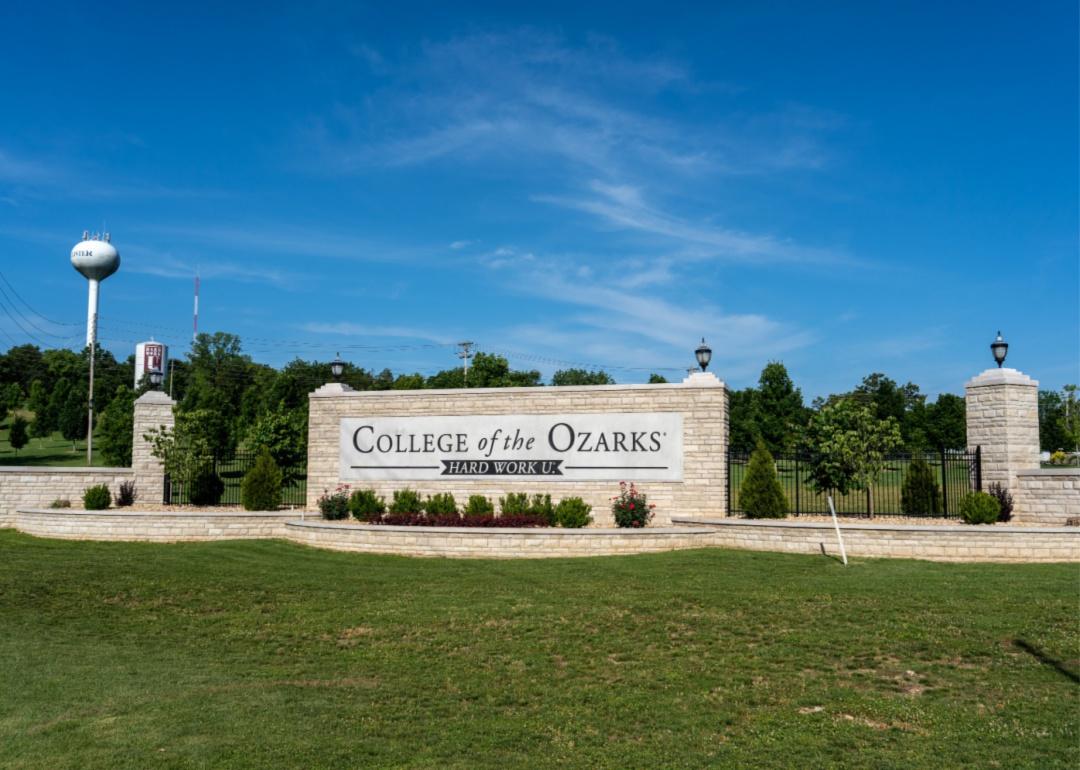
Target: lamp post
x=1000 y=348
x=337 y=367
x=704 y=355
x=156 y=377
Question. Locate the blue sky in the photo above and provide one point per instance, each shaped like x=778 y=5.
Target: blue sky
x=847 y=187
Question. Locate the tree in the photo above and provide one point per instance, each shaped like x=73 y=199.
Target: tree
x=779 y=411
x=50 y=418
x=945 y=425
x=1052 y=424
x=184 y=450
x=761 y=496
x=581 y=377
x=409 y=382
x=115 y=428
x=657 y=379
x=11 y=398
x=17 y=434
x=891 y=400
x=486 y=371
x=219 y=375
x=283 y=435
x=847 y=447
x=743 y=431
x=73 y=420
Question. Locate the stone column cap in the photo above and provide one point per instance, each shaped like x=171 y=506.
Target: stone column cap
x=332 y=389
x=155 y=397
x=1003 y=376
x=703 y=380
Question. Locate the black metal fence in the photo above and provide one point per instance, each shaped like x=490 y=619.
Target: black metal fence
x=957 y=473
x=231 y=470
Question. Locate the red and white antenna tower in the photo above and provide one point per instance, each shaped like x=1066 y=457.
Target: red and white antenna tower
x=195 y=321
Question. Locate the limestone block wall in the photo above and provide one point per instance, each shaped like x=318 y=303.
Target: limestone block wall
x=1047 y=497
x=702 y=401
x=960 y=543
x=37 y=487
x=480 y=543
x=153 y=409
x=1003 y=418
x=151 y=526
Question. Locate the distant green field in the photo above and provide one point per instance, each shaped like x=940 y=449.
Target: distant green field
x=267 y=654
x=52 y=450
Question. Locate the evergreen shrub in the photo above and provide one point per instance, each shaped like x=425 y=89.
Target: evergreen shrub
x=126 y=496
x=206 y=487
x=442 y=504
x=761 y=496
x=261 y=488
x=920 y=494
x=542 y=508
x=365 y=505
x=407 y=501
x=979 y=508
x=514 y=504
x=97 y=498
x=479 y=505
x=573 y=513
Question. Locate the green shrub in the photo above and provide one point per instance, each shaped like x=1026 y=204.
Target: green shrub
x=335 y=506
x=97 y=498
x=761 y=496
x=206 y=488
x=60 y=502
x=406 y=501
x=365 y=505
x=261 y=488
x=979 y=508
x=920 y=494
x=541 y=506
x=479 y=505
x=126 y=496
x=440 y=505
x=514 y=504
x=573 y=513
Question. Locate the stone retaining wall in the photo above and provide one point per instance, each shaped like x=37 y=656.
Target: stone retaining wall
x=37 y=487
x=154 y=526
x=963 y=543
x=495 y=543
x=1048 y=496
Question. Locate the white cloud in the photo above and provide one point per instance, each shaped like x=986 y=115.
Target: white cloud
x=350 y=329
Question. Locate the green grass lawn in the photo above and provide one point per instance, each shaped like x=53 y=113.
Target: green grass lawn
x=51 y=450
x=267 y=654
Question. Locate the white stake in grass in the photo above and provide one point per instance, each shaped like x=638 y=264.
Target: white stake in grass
x=839 y=537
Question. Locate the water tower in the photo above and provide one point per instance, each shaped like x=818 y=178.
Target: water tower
x=96 y=258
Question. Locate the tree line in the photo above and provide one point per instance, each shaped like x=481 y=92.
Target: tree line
x=229 y=401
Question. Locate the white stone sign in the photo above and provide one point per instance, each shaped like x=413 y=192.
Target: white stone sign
x=612 y=446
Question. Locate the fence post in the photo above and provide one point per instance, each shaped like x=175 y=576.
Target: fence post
x=944 y=483
x=978 y=468
x=729 y=475
x=797 y=485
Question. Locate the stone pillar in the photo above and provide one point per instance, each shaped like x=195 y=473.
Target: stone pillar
x=153 y=409
x=1003 y=419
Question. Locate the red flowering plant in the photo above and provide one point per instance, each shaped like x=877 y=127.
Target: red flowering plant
x=335 y=506
x=631 y=509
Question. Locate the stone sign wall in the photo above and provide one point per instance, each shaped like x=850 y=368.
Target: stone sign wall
x=670 y=440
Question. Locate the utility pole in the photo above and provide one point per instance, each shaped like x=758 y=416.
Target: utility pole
x=465 y=354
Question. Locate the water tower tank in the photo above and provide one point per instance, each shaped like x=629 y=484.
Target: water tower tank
x=95 y=259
